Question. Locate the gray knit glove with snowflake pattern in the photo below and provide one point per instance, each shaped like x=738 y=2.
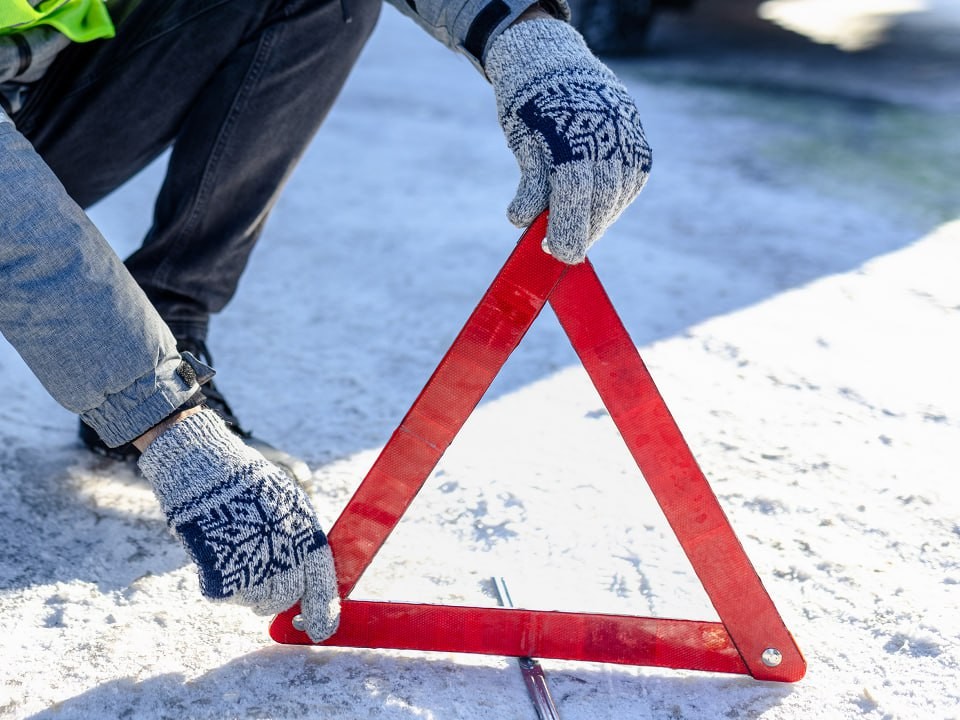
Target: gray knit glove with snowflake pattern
x=574 y=129
x=250 y=530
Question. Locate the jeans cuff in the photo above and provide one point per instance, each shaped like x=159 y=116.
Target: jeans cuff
x=128 y=414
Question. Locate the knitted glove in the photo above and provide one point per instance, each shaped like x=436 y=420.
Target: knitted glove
x=574 y=129
x=251 y=532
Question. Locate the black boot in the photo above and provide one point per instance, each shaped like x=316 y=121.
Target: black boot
x=92 y=441
x=296 y=468
x=215 y=399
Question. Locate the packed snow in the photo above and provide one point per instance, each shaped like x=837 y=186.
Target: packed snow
x=789 y=276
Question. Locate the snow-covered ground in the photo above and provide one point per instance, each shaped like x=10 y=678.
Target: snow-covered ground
x=789 y=276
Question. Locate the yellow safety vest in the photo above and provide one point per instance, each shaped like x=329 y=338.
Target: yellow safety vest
x=79 y=20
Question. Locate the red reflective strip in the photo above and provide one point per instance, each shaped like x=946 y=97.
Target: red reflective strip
x=625 y=640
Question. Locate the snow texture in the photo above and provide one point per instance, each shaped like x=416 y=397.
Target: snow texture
x=789 y=276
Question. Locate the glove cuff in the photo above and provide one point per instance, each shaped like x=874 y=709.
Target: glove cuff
x=533 y=49
x=192 y=457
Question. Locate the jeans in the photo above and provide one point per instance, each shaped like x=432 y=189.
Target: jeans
x=72 y=311
x=237 y=89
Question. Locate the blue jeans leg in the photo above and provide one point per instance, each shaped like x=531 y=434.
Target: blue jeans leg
x=238 y=88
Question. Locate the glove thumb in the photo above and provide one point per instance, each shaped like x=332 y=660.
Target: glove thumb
x=533 y=194
x=320 y=605
x=568 y=229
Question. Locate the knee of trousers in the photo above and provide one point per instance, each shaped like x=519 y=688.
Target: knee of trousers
x=361 y=18
x=356 y=19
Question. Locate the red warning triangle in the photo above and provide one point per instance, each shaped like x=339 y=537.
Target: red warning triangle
x=750 y=638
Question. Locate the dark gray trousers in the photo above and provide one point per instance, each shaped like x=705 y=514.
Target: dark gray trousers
x=238 y=88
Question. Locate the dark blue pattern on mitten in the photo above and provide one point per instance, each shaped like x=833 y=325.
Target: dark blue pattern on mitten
x=586 y=120
x=242 y=540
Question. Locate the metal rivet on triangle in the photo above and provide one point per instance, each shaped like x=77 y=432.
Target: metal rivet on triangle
x=771 y=657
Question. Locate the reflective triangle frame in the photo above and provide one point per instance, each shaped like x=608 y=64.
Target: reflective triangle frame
x=750 y=638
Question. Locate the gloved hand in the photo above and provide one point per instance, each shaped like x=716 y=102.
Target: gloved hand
x=574 y=129
x=251 y=531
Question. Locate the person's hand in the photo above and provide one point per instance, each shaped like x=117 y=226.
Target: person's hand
x=574 y=129
x=250 y=530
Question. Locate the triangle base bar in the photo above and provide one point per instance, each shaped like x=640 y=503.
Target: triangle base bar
x=624 y=640
x=750 y=638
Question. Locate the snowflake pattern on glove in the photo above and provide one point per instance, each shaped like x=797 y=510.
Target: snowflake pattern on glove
x=242 y=540
x=586 y=120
